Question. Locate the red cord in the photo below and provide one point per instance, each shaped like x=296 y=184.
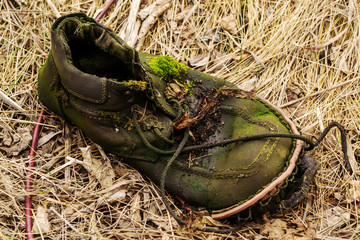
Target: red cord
x=29 y=175
x=104 y=10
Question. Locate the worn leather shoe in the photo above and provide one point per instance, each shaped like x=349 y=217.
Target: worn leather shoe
x=190 y=131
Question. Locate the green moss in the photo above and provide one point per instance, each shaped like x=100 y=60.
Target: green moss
x=248 y=128
x=169 y=69
x=261 y=109
x=198 y=186
x=243 y=127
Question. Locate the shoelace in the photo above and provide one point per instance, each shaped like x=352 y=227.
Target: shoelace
x=181 y=148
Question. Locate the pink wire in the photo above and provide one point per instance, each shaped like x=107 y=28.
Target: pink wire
x=104 y=10
x=29 y=174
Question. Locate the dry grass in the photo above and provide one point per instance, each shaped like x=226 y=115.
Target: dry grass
x=303 y=52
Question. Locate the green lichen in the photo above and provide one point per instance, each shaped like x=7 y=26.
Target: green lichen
x=189 y=86
x=114 y=116
x=136 y=85
x=169 y=69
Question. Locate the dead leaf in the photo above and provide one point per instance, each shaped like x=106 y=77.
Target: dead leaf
x=242 y=56
x=100 y=168
x=145 y=12
x=71 y=209
x=229 y=24
x=209 y=221
x=185 y=121
x=47 y=138
x=173 y=24
x=21 y=140
x=257 y=59
x=181 y=15
x=352 y=159
x=41 y=223
x=339 y=196
x=7 y=140
x=119 y=184
x=200 y=60
x=353 y=194
x=10 y=102
x=118 y=196
x=235 y=92
x=280 y=229
x=249 y=85
x=135 y=208
x=185 y=32
x=211 y=35
x=274 y=229
x=150 y=21
x=342 y=64
x=293 y=93
x=335 y=217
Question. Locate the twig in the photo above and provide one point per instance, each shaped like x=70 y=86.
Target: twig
x=319 y=92
x=65 y=221
x=69 y=162
x=53 y=8
x=134 y=8
x=9 y=101
x=67 y=152
x=150 y=20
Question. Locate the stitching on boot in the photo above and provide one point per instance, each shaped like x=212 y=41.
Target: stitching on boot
x=83 y=110
x=212 y=174
x=103 y=92
x=103 y=81
x=56 y=79
x=290 y=178
x=248 y=117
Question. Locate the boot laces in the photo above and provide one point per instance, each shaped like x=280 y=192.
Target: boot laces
x=310 y=145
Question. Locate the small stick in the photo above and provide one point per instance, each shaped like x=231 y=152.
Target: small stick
x=69 y=162
x=65 y=221
x=149 y=22
x=67 y=152
x=319 y=92
x=53 y=8
x=9 y=101
x=134 y=8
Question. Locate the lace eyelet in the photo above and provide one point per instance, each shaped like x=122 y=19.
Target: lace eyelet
x=157 y=93
x=130 y=96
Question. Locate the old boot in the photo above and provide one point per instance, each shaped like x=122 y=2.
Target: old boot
x=208 y=142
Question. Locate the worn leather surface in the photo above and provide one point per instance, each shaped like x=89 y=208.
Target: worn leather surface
x=94 y=80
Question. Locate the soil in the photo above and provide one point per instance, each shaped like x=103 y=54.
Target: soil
x=202 y=130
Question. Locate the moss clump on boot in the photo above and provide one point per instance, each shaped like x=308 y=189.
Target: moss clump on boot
x=169 y=69
x=173 y=72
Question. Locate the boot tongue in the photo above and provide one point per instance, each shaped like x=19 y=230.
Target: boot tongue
x=158 y=81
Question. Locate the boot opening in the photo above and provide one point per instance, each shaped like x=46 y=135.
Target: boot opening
x=89 y=58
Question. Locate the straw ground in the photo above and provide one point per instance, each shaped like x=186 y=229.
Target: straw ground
x=301 y=55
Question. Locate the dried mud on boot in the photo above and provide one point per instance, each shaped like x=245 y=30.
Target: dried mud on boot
x=204 y=106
